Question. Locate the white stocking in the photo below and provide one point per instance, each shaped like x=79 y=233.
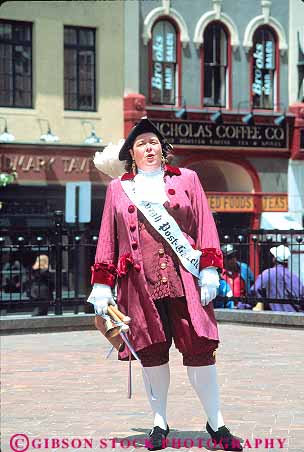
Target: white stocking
x=204 y=381
x=159 y=377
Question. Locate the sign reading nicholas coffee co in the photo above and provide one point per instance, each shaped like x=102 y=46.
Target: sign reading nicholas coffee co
x=193 y=133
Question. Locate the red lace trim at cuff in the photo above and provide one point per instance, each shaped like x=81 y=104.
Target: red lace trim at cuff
x=211 y=257
x=103 y=274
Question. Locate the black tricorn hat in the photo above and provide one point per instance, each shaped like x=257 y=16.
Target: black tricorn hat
x=143 y=126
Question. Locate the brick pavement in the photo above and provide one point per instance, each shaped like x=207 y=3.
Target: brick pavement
x=59 y=385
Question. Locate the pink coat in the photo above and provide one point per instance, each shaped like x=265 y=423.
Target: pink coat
x=118 y=256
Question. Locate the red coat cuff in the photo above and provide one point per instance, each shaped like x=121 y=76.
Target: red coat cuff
x=211 y=257
x=103 y=274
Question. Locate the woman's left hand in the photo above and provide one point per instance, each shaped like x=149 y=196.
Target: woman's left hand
x=209 y=282
x=208 y=293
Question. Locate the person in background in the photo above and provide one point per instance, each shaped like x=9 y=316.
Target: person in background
x=223 y=291
x=237 y=274
x=14 y=276
x=40 y=287
x=278 y=282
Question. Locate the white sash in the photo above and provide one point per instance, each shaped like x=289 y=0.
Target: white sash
x=167 y=227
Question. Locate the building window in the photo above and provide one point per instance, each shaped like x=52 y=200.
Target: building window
x=164 y=64
x=79 y=69
x=300 y=70
x=215 y=66
x=263 y=68
x=15 y=64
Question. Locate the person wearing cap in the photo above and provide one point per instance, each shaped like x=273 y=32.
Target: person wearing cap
x=159 y=244
x=238 y=275
x=278 y=282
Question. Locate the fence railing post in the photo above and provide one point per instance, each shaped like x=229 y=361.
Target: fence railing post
x=58 y=217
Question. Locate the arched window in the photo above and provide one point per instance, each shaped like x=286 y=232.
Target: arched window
x=300 y=70
x=164 y=63
x=215 y=58
x=264 y=69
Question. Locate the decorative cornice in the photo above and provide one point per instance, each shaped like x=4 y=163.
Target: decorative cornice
x=257 y=22
x=211 y=16
x=166 y=6
x=155 y=14
x=217 y=7
x=266 y=9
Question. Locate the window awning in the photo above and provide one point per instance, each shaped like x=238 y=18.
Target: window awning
x=279 y=220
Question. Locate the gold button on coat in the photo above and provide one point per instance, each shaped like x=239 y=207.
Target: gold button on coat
x=164 y=280
x=163 y=265
x=161 y=251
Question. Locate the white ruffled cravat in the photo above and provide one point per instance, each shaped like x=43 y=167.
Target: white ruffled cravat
x=150 y=186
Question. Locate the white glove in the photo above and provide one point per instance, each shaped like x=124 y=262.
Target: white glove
x=101 y=297
x=208 y=293
x=209 y=282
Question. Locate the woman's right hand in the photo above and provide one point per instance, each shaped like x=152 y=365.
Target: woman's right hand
x=101 y=297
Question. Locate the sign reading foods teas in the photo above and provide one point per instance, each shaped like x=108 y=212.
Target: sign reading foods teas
x=193 y=133
x=246 y=202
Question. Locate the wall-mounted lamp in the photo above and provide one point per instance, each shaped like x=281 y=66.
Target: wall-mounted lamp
x=217 y=117
x=5 y=136
x=248 y=119
x=7 y=178
x=280 y=120
x=182 y=113
x=92 y=138
x=47 y=137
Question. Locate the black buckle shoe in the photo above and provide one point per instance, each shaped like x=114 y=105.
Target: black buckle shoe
x=157 y=438
x=224 y=439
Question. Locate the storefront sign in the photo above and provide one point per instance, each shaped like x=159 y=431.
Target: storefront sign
x=163 y=64
x=157 y=78
x=170 y=47
x=49 y=168
x=231 y=203
x=246 y=203
x=274 y=203
x=192 y=133
x=263 y=60
x=39 y=164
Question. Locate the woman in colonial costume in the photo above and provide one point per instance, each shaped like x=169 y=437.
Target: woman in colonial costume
x=158 y=243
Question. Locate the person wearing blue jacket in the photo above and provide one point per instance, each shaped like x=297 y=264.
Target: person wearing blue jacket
x=234 y=268
x=224 y=290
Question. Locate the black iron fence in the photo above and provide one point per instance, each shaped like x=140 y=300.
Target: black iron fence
x=266 y=271
x=46 y=268
x=49 y=269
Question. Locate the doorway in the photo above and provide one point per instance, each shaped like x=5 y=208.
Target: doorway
x=232 y=223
